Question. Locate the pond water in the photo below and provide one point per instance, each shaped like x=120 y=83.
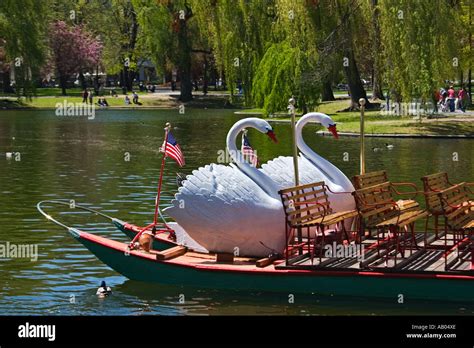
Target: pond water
x=85 y=160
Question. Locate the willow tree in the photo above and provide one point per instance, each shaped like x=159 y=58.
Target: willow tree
x=419 y=39
x=289 y=64
x=238 y=32
x=21 y=35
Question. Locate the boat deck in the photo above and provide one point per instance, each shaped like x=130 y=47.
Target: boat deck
x=432 y=258
x=418 y=259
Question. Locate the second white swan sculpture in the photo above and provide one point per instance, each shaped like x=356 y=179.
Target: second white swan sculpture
x=232 y=208
x=313 y=167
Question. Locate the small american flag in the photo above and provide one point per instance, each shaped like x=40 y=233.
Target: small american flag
x=247 y=150
x=173 y=150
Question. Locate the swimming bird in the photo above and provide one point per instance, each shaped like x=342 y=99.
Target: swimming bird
x=389 y=146
x=103 y=290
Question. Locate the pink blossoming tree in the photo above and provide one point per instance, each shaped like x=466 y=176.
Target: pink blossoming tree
x=73 y=50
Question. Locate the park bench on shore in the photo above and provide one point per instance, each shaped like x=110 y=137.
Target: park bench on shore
x=307 y=206
x=380 y=212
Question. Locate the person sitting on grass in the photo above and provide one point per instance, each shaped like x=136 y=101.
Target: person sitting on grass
x=103 y=102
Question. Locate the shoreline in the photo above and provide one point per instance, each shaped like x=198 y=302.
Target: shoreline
x=399 y=135
x=443 y=127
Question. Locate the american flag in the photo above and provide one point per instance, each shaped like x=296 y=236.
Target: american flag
x=173 y=150
x=247 y=150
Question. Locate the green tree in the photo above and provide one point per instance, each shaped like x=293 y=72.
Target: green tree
x=168 y=34
x=21 y=33
x=421 y=45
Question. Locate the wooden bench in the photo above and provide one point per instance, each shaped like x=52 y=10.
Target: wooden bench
x=375 y=204
x=376 y=178
x=433 y=184
x=380 y=177
x=459 y=213
x=306 y=207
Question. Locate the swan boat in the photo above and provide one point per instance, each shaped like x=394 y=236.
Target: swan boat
x=204 y=270
x=167 y=262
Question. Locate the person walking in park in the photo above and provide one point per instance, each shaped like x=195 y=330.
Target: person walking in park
x=84 y=96
x=462 y=98
x=91 y=97
x=451 y=98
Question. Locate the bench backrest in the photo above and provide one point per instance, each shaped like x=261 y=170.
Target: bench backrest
x=432 y=185
x=456 y=196
x=304 y=203
x=369 y=179
x=375 y=203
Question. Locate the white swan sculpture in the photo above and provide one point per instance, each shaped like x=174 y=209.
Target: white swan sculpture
x=312 y=167
x=232 y=208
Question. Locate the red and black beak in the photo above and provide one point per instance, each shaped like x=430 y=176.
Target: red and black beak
x=333 y=130
x=272 y=136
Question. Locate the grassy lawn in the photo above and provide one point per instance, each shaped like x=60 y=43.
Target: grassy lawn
x=375 y=122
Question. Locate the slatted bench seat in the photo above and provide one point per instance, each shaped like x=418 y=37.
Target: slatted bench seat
x=459 y=213
x=307 y=207
x=380 y=212
x=379 y=177
x=433 y=184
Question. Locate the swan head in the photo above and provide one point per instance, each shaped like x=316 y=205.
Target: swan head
x=320 y=118
x=265 y=128
x=329 y=123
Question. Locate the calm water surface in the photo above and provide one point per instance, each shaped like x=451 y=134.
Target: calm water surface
x=84 y=160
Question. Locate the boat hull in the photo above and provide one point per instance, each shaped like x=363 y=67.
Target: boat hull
x=141 y=266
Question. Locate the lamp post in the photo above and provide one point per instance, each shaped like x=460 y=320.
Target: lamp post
x=292 y=111
x=362 y=141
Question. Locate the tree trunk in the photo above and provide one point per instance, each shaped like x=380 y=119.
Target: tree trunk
x=184 y=63
x=82 y=80
x=63 y=83
x=356 y=89
x=327 y=93
x=7 y=88
x=206 y=77
x=377 y=92
x=470 y=86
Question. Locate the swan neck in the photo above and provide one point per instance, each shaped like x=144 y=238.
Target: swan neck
x=333 y=174
x=260 y=178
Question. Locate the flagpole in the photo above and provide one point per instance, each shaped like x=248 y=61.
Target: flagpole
x=160 y=181
x=362 y=135
x=157 y=200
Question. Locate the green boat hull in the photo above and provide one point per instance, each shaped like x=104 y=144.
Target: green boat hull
x=366 y=284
